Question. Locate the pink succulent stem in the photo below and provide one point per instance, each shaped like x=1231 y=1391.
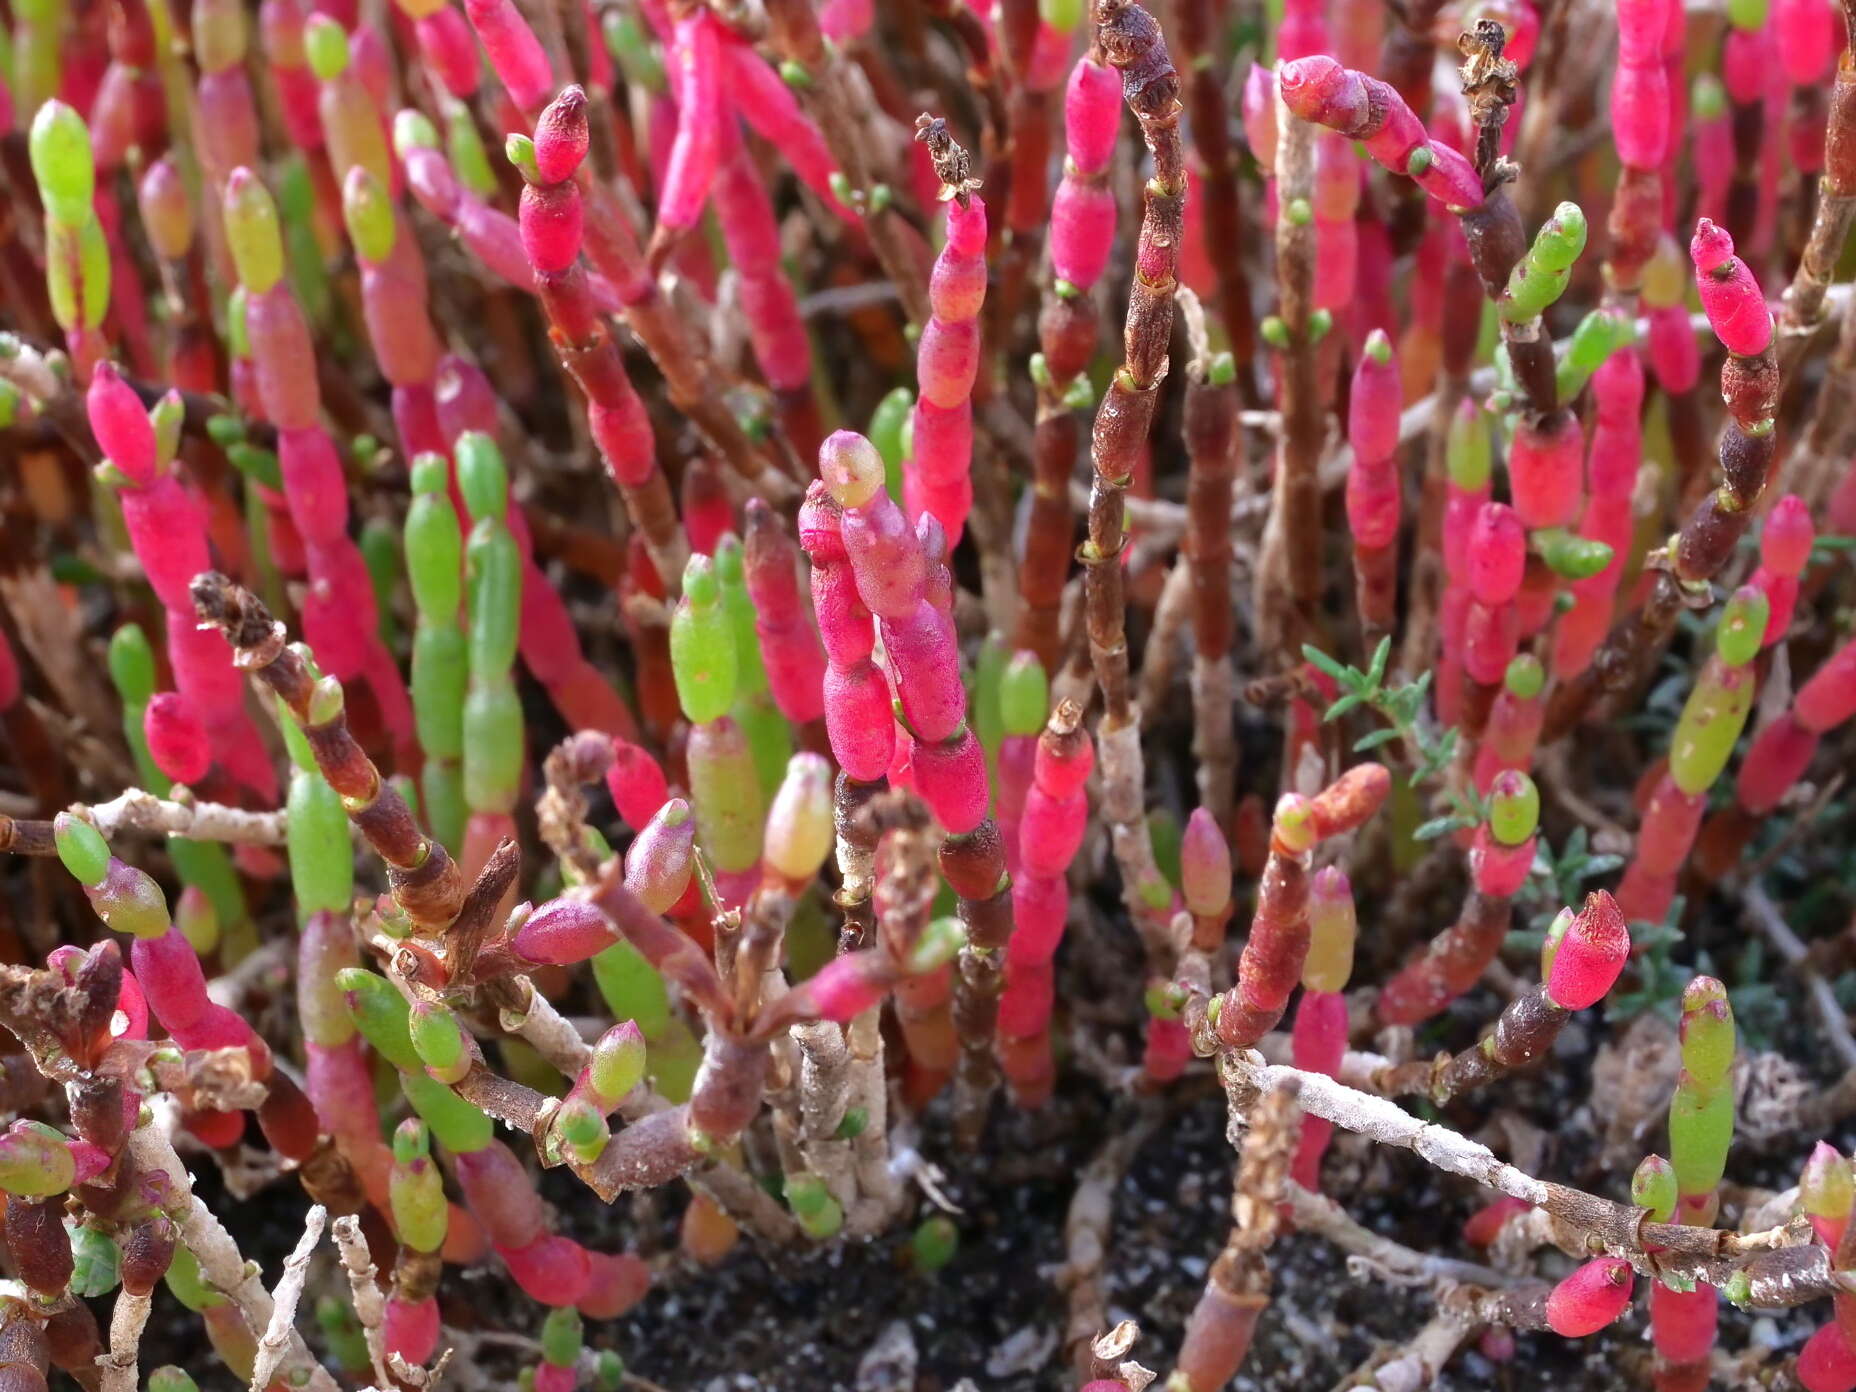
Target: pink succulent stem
x=744 y=211
x=166 y=522
x=899 y=576
x=1591 y=1298
x=1781 y=751
x=514 y=52
x=1611 y=478
x=790 y=647
x=937 y=479
x=696 y=78
x=1496 y=562
x=1784 y=551
x=857 y=717
x=488 y=233
x=339 y=619
x=1373 y=484
x=1319 y=1041
x=761 y=97
x=1337 y=243
x=1082 y=217
x=1050 y=832
x=1304 y=30
x=1279 y=933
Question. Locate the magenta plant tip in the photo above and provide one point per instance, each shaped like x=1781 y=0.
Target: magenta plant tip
x=1735 y=307
x=120 y=422
x=1588 y=959
x=1591 y=1298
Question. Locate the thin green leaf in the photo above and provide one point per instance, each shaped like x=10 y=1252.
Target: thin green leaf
x=1440 y=826
x=1343 y=705
x=1332 y=666
x=1376 y=669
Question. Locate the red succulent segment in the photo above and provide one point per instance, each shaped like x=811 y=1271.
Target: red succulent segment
x=1591 y=1298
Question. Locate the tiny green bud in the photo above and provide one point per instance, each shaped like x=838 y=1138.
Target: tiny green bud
x=819 y=1214
x=1550 y=945
x=1825 y=1189
x=189 y=1286
x=96 y=1262
x=132 y=666
x=325 y=44
x=1024 y=695
x=933 y=1244
x=197 y=920
x=439 y=1041
x=1707 y=1031
x=82 y=848
x=561 y=1336
x=428 y=473
x=1298 y=212
x=618 y=1062
x=413 y=130
x=1560 y=240
x=1514 y=807
x=35 y=1161
x=59 y=149
x=1162 y=999
x=412 y=1140
x=939 y=941
x=252 y=232
x=582 y=1129
x=519 y=150
x=1568 y=555
x=1742 y=628
x=167 y=416
x=483 y=478
x=1274 y=331
x=1525 y=677
x=368 y=212
x=1653 y=1186
x=325 y=702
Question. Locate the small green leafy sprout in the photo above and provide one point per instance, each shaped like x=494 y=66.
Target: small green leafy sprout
x=1403 y=707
